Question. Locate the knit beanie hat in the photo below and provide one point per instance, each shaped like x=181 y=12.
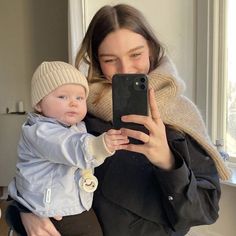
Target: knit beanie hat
x=50 y=75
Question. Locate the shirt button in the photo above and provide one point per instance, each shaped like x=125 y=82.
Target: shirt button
x=170 y=198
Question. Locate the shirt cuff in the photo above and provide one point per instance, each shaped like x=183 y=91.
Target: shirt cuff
x=174 y=181
x=97 y=148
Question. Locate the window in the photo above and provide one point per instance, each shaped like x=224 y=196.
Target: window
x=224 y=83
x=230 y=137
x=216 y=70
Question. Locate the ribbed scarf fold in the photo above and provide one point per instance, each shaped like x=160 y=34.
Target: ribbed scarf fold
x=175 y=109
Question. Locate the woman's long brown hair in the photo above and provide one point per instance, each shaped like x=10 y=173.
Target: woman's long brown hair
x=109 y=19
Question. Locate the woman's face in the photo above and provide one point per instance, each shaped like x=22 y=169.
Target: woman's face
x=123 y=51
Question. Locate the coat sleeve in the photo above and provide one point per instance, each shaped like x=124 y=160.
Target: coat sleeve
x=191 y=191
x=58 y=144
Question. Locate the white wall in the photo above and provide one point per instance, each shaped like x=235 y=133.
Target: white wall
x=29 y=35
x=31 y=32
x=175 y=26
x=10 y=126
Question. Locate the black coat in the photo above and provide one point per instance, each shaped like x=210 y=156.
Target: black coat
x=137 y=198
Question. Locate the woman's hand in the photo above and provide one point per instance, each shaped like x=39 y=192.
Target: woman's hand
x=155 y=146
x=36 y=226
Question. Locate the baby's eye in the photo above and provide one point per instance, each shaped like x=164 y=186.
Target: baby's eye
x=62 y=97
x=80 y=98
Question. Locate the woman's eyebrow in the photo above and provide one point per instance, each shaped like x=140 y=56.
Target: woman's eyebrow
x=106 y=55
x=136 y=48
x=112 y=55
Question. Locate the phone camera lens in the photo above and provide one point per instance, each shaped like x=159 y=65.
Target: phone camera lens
x=142 y=80
x=142 y=86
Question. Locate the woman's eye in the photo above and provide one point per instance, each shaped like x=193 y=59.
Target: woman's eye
x=110 y=60
x=136 y=55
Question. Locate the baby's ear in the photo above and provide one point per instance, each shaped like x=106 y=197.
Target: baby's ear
x=38 y=107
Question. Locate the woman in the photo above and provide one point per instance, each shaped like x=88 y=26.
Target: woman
x=167 y=184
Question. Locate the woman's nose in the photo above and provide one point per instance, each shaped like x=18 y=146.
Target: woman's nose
x=125 y=67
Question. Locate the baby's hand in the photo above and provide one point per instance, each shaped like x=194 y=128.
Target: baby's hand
x=57 y=218
x=115 y=140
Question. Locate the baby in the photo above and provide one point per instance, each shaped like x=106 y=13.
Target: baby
x=57 y=156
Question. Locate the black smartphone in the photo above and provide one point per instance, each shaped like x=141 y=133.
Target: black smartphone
x=129 y=96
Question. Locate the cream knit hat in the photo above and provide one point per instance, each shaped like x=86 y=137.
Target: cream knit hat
x=50 y=75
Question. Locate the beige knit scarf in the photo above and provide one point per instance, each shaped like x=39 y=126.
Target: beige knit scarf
x=175 y=108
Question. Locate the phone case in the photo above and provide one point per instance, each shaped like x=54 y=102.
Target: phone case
x=129 y=96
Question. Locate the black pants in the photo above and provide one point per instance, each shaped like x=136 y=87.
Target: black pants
x=84 y=224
